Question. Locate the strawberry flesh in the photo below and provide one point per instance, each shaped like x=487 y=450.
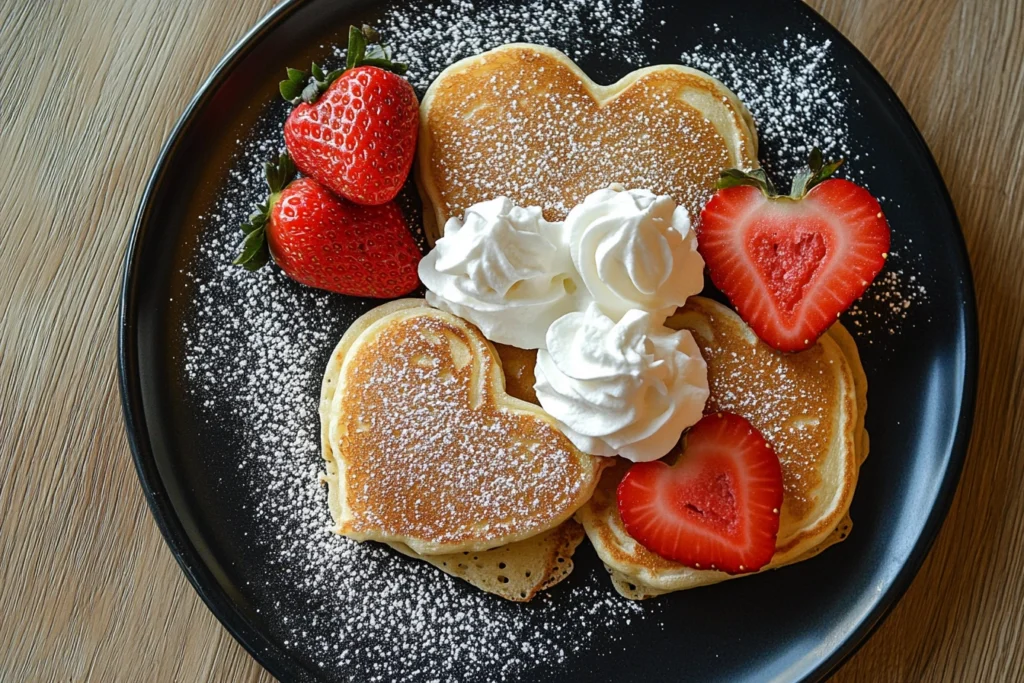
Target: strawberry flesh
x=717 y=507
x=790 y=265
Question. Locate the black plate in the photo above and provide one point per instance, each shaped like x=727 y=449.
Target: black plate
x=798 y=623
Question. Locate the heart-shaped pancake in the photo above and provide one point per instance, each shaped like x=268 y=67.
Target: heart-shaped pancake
x=809 y=406
x=425 y=448
x=524 y=122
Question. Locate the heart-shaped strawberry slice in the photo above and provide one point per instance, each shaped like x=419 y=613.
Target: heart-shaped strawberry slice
x=717 y=507
x=791 y=264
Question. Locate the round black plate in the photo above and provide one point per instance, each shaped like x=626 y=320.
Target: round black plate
x=798 y=623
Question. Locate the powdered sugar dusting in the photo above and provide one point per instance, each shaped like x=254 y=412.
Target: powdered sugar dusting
x=800 y=99
x=515 y=130
x=427 y=458
x=256 y=344
x=437 y=34
x=796 y=93
x=884 y=309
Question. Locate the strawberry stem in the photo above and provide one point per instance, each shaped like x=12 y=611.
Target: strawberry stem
x=363 y=50
x=815 y=172
x=253 y=251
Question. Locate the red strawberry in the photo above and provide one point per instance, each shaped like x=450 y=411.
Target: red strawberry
x=717 y=507
x=328 y=243
x=791 y=264
x=354 y=130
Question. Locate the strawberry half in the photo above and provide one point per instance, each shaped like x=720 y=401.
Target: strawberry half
x=354 y=129
x=717 y=507
x=325 y=242
x=790 y=264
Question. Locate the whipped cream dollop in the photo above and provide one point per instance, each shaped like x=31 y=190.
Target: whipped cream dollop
x=625 y=388
x=635 y=250
x=506 y=270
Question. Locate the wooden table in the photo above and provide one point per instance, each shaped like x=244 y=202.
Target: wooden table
x=89 y=591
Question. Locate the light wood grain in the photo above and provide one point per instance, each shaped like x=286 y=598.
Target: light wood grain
x=89 y=591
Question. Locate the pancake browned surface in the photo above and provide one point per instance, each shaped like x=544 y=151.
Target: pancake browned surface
x=517 y=571
x=805 y=404
x=523 y=121
x=425 y=448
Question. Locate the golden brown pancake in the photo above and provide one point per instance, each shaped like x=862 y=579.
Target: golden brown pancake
x=524 y=122
x=425 y=448
x=805 y=404
x=517 y=571
x=841 y=336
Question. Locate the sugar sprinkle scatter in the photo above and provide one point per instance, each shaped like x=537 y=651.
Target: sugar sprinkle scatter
x=797 y=95
x=256 y=343
x=255 y=351
x=436 y=34
x=799 y=99
x=884 y=309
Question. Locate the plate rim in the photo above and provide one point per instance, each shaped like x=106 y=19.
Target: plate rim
x=278 y=661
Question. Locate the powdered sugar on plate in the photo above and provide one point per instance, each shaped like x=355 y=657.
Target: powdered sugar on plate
x=796 y=93
x=255 y=353
x=435 y=35
x=256 y=345
x=800 y=99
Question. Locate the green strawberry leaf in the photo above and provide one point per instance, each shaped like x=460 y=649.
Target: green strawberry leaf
x=311 y=93
x=370 y=33
x=735 y=177
x=763 y=180
x=356 y=47
x=732 y=177
x=814 y=160
x=376 y=52
x=280 y=173
x=257 y=219
x=800 y=180
x=363 y=50
x=387 y=65
x=259 y=259
x=254 y=243
x=290 y=91
x=815 y=172
x=291 y=87
x=253 y=252
x=828 y=169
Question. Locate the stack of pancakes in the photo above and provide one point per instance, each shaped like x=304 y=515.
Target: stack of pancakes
x=432 y=436
x=426 y=452
x=809 y=406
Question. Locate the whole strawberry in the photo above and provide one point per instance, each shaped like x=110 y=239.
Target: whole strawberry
x=325 y=242
x=354 y=129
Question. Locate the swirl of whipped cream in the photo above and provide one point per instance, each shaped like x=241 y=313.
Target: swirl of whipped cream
x=634 y=249
x=628 y=388
x=505 y=269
